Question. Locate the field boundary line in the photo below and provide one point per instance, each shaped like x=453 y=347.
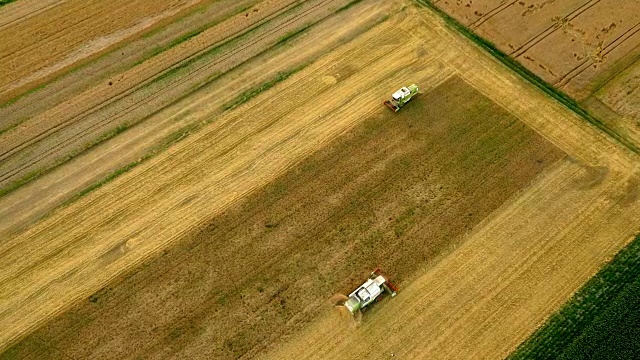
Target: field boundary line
x=585 y=307
x=532 y=78
x=27 y=178
x=493 y=12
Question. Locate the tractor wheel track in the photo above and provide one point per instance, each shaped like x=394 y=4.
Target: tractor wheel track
x=495 y=11
x=30 y=14
x=68 y=34
x=8 y=174
x=52 y=130
x=584 y=65
x=54 y=36
x=551 y=29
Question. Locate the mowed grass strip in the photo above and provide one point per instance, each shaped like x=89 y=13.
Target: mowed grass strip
x=397 y=191
x=601 y=321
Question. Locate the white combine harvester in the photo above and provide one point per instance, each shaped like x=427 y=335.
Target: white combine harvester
x=368 y=292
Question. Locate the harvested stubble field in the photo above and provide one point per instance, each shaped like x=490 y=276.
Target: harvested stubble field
x=489 y=202
x=396 y=191
x=82 y=146
x=589 y=49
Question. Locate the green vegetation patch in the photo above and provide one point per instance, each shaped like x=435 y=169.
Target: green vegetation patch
x=293 y=34
x=601 y=321
x=6 y=2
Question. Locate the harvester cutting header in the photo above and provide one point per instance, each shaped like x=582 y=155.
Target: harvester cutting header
x=368 y=292
x=401 y=97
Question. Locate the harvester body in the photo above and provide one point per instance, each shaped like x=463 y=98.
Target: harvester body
x=401 y=97
x=368 y=292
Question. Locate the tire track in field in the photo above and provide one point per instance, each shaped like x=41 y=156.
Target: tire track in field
x=9 y=17
x=74 y=32
x=48 y=131
x=551 y=29
x=437 y=77
x=53 y=36
x=495 y=11
x=585 y=64
x=312 y=133
x=155 y=95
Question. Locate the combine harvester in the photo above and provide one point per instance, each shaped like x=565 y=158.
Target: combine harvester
x=401 y=97
x=368 y=292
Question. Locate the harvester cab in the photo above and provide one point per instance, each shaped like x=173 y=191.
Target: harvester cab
x=368 y=292
x=401 y=97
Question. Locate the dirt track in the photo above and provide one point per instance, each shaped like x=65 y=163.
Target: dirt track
x=569 y=221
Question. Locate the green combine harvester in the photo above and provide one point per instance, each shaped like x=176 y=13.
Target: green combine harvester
x=367 y=293
x=401 y=97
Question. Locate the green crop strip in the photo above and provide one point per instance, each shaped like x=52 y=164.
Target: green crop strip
x=186 y=36
x=144 y=57
x=250 y=94
x=180 y=134
x=293 y=34
x=6 y=2
x=518 y=68
x=35 y=174
x=347 y=6
x=104 y=181
x=598 y=312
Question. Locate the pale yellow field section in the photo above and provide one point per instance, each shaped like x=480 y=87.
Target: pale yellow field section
x=478 y=302
x=519 y=265
x=79 y=249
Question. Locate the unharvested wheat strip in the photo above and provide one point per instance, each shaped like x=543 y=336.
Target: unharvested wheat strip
x=230 y=137
x=488 y=295
x=225 y=133
x=110 y=221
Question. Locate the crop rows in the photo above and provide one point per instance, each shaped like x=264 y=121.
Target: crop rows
x=594 y=306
